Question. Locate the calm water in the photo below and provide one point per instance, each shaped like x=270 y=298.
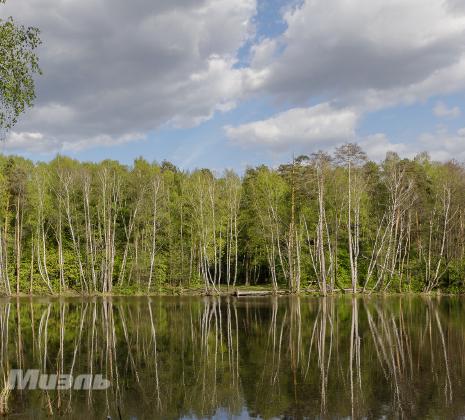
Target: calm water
x=192 y=358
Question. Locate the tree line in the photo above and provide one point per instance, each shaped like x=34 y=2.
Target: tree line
x=320 y=222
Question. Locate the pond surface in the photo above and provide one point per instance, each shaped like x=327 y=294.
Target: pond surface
x=189 y=358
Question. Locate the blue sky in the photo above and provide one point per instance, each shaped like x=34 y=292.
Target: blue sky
x=236 y=83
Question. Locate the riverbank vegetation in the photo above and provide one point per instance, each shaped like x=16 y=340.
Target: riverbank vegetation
x=321 y=223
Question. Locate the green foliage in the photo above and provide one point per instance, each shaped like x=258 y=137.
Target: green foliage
x=67 y=226
x=18 y=64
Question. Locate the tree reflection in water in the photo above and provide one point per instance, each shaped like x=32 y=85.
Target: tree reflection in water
x=200 y=357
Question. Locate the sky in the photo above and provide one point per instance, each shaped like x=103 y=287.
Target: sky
x=237 y=83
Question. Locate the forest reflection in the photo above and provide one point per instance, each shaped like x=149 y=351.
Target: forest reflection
x=223 y=357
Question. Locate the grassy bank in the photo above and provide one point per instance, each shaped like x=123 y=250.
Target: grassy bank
x=223 y=290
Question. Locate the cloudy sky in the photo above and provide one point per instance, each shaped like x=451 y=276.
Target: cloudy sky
x=230 y=83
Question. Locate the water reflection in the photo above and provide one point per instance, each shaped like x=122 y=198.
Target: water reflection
x=198 y=357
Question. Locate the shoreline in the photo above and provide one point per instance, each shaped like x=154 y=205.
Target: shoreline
x=237 y=292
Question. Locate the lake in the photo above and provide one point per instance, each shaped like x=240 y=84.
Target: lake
x=221 y=358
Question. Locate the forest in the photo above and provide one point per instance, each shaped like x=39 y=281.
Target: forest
x=321 y=223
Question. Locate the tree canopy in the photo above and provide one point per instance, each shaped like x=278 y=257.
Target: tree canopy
x=18 y=65
x=322 y=223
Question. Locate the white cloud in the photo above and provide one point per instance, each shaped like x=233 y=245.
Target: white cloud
x=33 y=142
x=377 y=145
x=102 y=140
x=115 y=70
x=358 y=55
x=317 y=125
x=442 y=145
x=442 y=111
x=113 y=67
x=353 y=52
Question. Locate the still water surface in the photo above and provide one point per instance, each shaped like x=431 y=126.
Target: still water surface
x=192 y=358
